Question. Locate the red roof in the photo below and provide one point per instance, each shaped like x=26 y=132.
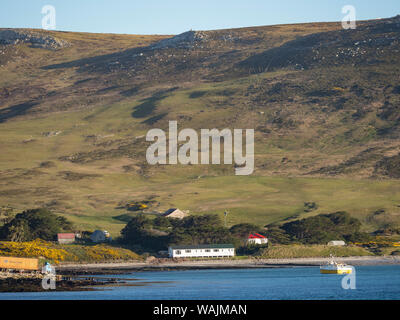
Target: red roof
x=256 y=236
x=66 y=235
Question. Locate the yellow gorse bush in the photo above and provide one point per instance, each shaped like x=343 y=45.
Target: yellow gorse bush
x=58 y=253
x=36 y=248
x=103 y=253
x=338 y=89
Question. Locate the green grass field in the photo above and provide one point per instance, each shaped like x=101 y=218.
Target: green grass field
x=319 y=133
x=312 y=251
x=91 y=199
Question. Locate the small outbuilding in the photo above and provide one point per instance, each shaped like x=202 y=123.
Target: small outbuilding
x=336 y=243
x=174 y=213
x=64 y=238
x=100 y=236
x=257 y=238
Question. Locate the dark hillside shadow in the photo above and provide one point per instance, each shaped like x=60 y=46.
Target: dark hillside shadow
x=103 y=60
x=148 y=105
x=15 y=110
x=154 y=119
x=329 y=48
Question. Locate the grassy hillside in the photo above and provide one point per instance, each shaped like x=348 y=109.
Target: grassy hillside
x=324 y=104
x=301 y=251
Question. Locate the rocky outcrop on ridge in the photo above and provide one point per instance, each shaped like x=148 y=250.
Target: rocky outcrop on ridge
x=186 y=40
x=35 y=40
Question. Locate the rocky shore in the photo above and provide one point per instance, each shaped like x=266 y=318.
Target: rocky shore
x=170 y=264
x=80 y=277
x=32 y=282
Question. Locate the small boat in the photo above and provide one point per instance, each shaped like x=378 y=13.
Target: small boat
x=334 y=267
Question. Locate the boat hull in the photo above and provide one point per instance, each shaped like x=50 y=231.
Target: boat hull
x=337 y=271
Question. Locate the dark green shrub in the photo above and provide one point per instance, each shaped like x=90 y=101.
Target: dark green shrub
x=33 y=224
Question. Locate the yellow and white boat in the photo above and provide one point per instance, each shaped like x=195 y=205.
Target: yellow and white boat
x=332 y=267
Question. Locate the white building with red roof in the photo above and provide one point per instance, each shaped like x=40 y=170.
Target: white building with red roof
x=256 y=238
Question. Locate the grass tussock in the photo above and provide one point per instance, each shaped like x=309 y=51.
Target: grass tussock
x=100 y=253
x=311 y=251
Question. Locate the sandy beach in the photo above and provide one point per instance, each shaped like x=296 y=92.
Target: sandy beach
x=166 y=264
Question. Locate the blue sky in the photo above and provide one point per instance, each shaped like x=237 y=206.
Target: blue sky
x=176 y=16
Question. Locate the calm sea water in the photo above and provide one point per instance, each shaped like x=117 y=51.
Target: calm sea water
x=372 y=282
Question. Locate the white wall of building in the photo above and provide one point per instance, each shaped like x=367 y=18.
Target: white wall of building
x=336 y=243
x=66 y=241
x=187 y=253
x=257 y=241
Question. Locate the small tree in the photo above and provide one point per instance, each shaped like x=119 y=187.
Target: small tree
x=243 y=230
x=162 y=222
x=33 y=224
x=135 y=229
x=19 y=231
x=6 y=213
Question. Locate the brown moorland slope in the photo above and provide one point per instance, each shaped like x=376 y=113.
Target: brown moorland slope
x=324 y=103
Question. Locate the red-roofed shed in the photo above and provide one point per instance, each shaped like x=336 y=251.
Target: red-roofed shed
x=257 y=238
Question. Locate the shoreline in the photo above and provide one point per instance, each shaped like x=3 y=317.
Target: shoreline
x=84 y=277
x=32 y=282
x=166 y=265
